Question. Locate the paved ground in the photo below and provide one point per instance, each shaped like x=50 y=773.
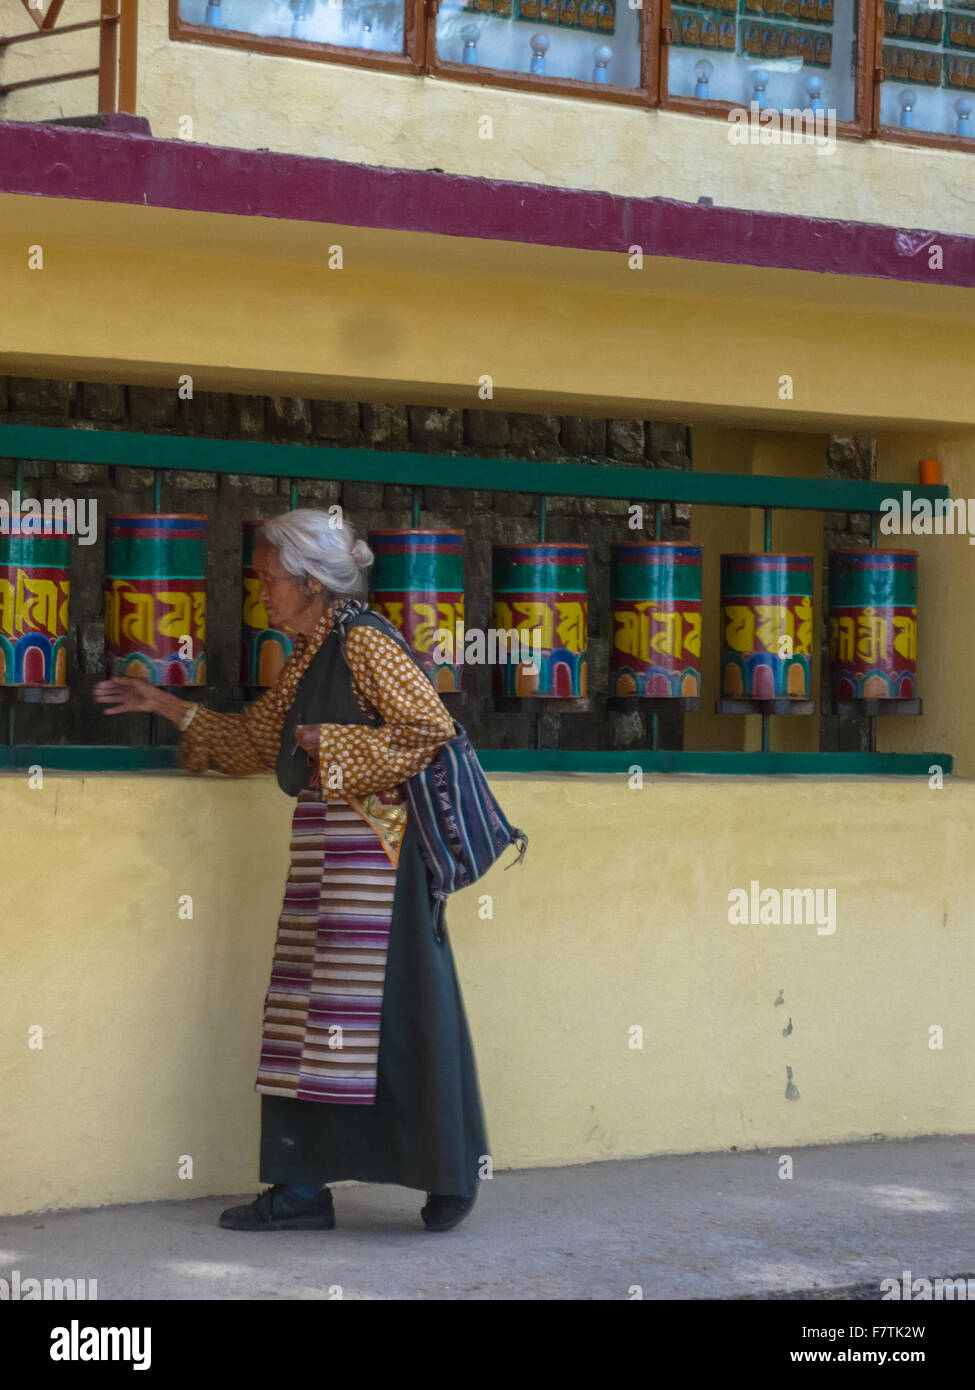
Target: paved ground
x=704 y=1226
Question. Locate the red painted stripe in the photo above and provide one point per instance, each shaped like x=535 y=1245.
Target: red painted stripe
x=67 y=162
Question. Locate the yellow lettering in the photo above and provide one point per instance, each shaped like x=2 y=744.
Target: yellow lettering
x=254 y=613
x=667 y=641
x=176 y=623
x=629 y=628
x=804 y=626
x=905 y=642
x=7 y=607
x=41 y=609
x=392 y=611
x=137 y=625
x=872 y=636
x=200 y=614
x=572 y=626
x=739 y=627
x=842 y=632
x=534 y=617
x=424 y=635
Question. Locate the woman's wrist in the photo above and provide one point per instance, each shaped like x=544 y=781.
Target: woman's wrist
x=171 y=706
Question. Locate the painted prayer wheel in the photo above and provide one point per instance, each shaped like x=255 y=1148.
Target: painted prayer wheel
x=417 y=582
x=873 y=624
x=263 y=649
x=655 y=595
x=540 y=592
x=766 y=626
x=34 y=591
x=155 y=598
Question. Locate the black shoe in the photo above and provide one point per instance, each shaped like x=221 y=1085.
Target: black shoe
x=443 y=1213
x=273 y=1211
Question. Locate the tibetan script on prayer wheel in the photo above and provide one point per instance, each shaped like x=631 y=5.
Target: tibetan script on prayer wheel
x=655 y=595
x=873 y=624
x=155 y=598
x=766 y=626
x=540 y=594
x=417 y=582
x=34 y=591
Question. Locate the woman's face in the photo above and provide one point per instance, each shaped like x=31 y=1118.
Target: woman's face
x=281 y=593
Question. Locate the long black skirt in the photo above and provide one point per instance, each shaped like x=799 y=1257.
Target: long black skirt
x=426 y=1129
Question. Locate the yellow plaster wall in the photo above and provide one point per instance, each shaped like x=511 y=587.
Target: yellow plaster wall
x=255 y=101
x=143 y=295
x=617 y=920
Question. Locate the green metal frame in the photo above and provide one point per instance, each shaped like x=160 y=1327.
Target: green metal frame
x=119 y=447
x=293 y=461
x=115 y=758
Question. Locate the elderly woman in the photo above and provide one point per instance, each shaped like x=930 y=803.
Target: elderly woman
x=366 y=1069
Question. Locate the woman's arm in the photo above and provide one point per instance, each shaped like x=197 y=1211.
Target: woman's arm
x=417 y=721
x=235 y=744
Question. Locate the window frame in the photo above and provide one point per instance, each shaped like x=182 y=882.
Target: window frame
x=409 y=61
x=898 y=135
x=421 y=59
x=865 y=102
x=646 y=94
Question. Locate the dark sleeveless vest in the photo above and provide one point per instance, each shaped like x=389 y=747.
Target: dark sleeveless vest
x=324 y=696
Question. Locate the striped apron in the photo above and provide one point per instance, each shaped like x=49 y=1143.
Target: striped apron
x=323 y=1008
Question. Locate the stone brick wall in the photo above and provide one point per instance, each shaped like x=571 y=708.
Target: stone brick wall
x=229 y=499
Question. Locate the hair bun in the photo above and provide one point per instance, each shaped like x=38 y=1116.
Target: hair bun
x=361 y=554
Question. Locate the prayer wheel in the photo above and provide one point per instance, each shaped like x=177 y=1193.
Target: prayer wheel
x=655 y=596
x=872 y=611
x=417 y=582
x=155 y=598
x=34 y=591
x=766 y=626
x=263 y=649
x=540 y=593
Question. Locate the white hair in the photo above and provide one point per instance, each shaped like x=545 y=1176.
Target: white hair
x=311 y=545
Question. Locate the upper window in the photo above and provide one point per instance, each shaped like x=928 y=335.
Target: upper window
x=581 y=40
x=929 y=67
x=796 y=55
x=376 y=26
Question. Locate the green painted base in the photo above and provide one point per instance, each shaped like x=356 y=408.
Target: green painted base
x=717 y=764
x=103 y=758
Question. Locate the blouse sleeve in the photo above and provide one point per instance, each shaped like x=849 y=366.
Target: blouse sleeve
x=417 y=721
x=236 y=744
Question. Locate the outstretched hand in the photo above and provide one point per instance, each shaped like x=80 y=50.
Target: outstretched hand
x=125 y=693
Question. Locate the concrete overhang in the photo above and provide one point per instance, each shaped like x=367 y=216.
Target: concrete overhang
x=162 y=258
